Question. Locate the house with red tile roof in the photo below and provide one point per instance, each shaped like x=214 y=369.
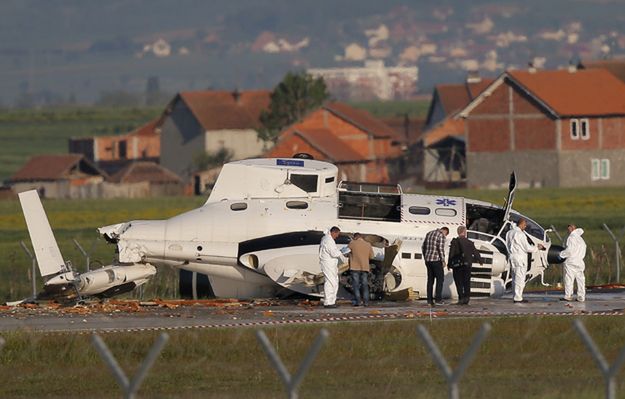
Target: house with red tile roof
x=447 y=99
x=198 y=122
x=56 y=176
x=158 y=180
x=360 y=145
x=557 y=128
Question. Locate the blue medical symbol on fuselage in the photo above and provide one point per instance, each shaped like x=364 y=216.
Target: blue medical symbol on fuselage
x=445 y=202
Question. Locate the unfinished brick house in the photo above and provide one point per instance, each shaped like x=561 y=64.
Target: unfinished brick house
x=111 y=153
x=563 y=128
x=360 y=145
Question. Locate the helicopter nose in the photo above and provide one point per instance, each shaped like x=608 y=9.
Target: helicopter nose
x=553 y=256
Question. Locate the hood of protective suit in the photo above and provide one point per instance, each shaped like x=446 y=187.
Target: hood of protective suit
x=577 y=232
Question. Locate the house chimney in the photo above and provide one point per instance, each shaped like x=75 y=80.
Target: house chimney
x=572 y=67
x=236 y=95
x=473 y=76
x=531 y=68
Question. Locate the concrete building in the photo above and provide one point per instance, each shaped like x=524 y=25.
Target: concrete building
x=374 y=81
x=562 y=128
x=207 y=121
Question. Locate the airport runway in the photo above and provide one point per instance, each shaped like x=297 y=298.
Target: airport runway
x=118 y=316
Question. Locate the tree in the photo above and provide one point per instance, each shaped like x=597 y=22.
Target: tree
x=209 y=160
x=297 y=94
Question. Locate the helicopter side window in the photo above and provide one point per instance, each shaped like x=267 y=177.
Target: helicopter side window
x=238 y=206
x=307 y=183
x=297 y=205
x=445 y=212
x=419 y=210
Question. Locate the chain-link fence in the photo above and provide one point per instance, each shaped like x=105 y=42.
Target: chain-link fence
x=130 y=386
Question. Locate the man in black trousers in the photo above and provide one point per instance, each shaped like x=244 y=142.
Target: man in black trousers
x=463 y=249
x=434 y=254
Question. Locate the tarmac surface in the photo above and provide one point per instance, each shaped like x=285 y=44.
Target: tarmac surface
x=133 y=315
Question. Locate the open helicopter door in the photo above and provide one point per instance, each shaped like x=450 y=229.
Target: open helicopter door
x=510 y=198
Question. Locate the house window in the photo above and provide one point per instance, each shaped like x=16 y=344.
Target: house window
x=584 y=129
x=574 y=129
x=122 y=145
x=600 y=169
x=604 y=170
x=594 y=169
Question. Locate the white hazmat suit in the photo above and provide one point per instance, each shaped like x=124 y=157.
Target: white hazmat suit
x=329 y=256
x=574 y=266
x=518 y=248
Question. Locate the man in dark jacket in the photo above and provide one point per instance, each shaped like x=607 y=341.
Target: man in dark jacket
x=464 y=249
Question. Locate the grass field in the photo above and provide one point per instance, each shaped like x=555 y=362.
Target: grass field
x=79 y=219
x=535 y=357
x=412 y=108
x=25 y=133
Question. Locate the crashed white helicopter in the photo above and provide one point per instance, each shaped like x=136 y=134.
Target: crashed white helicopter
x=258 y=233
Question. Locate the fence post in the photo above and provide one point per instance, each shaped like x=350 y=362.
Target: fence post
x=617 y=250
x=2 y=342
x=84 y=253
x=292 y=384
x=453 y=376
x=609 y=372
x=33 y=260
x=131 y=387
x=555 y=231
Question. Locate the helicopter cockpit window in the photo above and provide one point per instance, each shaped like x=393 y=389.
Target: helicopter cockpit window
x=532 y=228
x=307 y=183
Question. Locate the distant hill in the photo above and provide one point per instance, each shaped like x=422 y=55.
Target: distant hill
x=55 y=52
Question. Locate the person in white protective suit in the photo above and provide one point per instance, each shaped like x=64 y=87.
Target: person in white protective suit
x=518 y=248
x=574 y=266
x=329 y=257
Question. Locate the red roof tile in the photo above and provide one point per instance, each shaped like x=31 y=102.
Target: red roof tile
x=149 y=129
x=615 y=67
x=54 y=167
x=448 y=127
x=327 y=143
x=398 y=124
x=141 y=171
x=361 y=119
x=454 y=97
x=588 y=92
x=217 y=110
